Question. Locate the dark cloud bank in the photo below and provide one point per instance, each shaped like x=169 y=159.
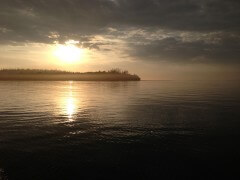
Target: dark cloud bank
x=178 y=31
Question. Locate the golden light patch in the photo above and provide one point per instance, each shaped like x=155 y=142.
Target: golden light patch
x=68 y=53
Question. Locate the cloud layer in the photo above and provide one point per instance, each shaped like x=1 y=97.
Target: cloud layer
x=150 y=30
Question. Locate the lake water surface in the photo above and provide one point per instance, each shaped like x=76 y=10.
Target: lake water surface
x=144 y=130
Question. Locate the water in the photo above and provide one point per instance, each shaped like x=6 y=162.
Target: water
x=144 y=130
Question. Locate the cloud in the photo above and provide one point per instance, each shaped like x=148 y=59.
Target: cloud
x=182 y=30
x=175 y=49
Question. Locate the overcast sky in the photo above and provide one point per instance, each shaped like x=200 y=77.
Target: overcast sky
x=158 y=39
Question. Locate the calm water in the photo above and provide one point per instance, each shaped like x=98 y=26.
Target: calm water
x=147 y=129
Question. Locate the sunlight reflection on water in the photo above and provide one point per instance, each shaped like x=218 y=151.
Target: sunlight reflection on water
x=70 y=105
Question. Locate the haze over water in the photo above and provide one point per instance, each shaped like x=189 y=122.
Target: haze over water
x=147 y=129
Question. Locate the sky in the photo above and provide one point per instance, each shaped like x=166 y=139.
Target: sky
x=156 y=39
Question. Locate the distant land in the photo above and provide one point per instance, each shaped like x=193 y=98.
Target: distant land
x=57 y=75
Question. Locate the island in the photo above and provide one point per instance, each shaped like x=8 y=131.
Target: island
x=58 y=75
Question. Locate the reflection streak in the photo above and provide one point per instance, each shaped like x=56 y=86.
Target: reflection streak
x=70 y=104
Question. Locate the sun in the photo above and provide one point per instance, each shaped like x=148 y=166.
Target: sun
x=68 y=53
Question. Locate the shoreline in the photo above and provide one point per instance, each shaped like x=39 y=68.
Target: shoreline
x=68 y=77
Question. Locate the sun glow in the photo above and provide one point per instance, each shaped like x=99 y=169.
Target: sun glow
x=68 y=53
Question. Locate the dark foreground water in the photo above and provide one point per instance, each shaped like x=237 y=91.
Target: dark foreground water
x=143 y=130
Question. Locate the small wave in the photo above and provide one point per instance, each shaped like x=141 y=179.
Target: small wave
x=3 y=175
